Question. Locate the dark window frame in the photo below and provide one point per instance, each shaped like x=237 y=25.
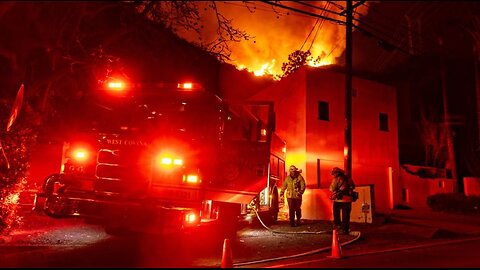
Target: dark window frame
x=383 y=122
x=323 y=110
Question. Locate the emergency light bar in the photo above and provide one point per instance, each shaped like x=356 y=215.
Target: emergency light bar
x=185 y=85
x=170 y=161
x=116 y=85
x=189 y=86
x=120 y=86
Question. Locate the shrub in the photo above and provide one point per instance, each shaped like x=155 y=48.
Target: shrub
x=454 y=202
x=14 y=164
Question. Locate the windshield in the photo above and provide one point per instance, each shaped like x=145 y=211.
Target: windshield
x=173 y=114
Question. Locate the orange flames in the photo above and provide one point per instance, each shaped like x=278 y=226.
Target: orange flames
x=278 y=32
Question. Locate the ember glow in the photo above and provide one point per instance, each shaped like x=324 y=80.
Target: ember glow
x=277 y=32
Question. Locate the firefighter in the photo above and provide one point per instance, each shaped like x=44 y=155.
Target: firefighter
x=342 y=187
x=295 y=187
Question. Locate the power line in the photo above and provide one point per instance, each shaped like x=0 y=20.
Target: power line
x=344 y=12
x=368 y=32
x=342 y=8
x=418 y=11
x=273 y=3
x=384 y=39
x=388 y=26
x=335 y=47
x=245 y=5
x=323 y=9
x=319 y=27
x=371 y=30
x=316 y=22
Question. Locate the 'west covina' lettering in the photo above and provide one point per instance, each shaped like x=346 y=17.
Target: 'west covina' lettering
x=126 y=142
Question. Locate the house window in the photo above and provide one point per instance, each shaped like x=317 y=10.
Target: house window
x=383 y=122
x=323 y=111
x=405 y=195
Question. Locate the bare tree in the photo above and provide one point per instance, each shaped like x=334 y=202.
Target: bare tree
x=185 y=14
x=434 y=138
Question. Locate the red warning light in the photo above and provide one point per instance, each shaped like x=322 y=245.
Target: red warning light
x=116 y=85
x=80 y=154
x=189 y=86
x=186 y=86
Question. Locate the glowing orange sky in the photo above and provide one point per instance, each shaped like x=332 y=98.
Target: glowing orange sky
x=276 y=35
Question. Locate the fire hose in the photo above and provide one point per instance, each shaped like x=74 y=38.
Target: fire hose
x=311 y=252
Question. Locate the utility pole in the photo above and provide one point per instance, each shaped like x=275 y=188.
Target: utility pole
x=476 y=58
x=347 y=150
x=446 y=120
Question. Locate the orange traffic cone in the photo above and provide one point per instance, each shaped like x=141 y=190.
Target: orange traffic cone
x=336 y=249
x=227 y=261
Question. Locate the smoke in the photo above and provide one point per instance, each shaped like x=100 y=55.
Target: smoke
x=276 y=32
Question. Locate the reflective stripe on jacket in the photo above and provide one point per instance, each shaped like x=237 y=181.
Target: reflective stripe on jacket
x=294 y=187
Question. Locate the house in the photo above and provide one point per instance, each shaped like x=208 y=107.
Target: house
x=310 y=116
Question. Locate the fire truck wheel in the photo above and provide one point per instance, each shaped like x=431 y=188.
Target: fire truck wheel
x=274 y=208
x=54 y=207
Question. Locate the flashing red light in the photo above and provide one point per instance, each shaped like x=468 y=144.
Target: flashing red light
x=177 y=161
x=168 y=161
x=186 y=86
x=80 y=154
x=191 y=218
x=189 y=86
x=116 y=86
x=191 y=179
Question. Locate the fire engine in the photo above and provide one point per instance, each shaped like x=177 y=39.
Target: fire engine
x=167 y=157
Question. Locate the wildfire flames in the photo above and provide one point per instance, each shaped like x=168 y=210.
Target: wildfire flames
x=277 y=32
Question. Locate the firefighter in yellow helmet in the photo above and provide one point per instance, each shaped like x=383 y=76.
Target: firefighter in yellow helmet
x=294 y=185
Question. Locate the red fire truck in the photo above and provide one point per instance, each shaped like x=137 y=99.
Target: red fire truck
x=167 y=157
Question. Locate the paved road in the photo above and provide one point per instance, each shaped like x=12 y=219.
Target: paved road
x=445 y=254
x=47 y=242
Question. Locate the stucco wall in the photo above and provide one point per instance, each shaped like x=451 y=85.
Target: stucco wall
x=417 y=189
x=374 y=152
x=471 y=186
x=289 y=101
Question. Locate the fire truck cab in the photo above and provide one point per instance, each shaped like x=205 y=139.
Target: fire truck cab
x=167 y=157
